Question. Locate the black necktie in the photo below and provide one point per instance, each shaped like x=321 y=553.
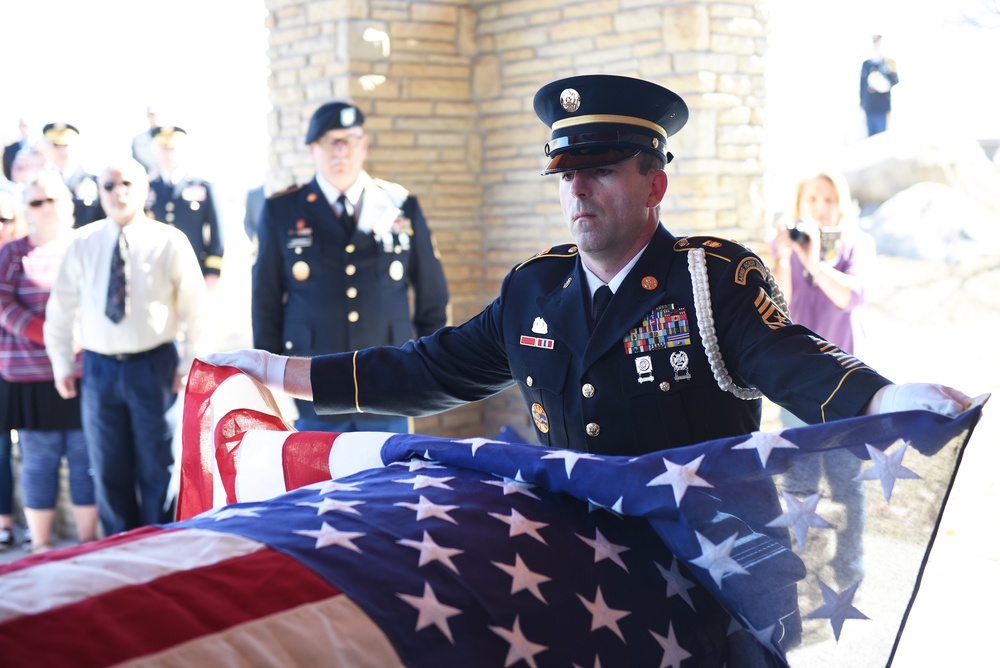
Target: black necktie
x=117 y=288
x=601 y=300
x=346 y=216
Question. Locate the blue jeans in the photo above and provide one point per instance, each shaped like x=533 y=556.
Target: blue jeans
x=41 y=457
x=124 y=406
x=6 y=476
x=877 y=122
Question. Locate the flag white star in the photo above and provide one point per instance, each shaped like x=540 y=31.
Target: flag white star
x=327 y=535
x=602 y=615
x=331 y=505
x=604 y=549
x=523 y=577
x=476 y=443
x=677 y=584
x=764 y=636
x=426 y=508
x=228 y=512
x=424 y=481
x=331 y=486
x=764 y=442
x=887 y=467
x=521 y=649
x=680 y=476
x=673 y=653
x=515 y=486
x=519 y=524
x=716 y=560
x=837 y=608
x=431 y=611
x=571 y=457
x=800 y=515
x=431 y=551
x=416 y=464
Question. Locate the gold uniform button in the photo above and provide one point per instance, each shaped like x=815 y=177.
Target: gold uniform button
x=350 y=270
x=664 y=386
x=593 y=429
x=353 y=316
x=352 y=293
x=529 y=381
x=169 y=218
x=588 y=390
x=349 y=248
x=169 y=206
x=288 y=345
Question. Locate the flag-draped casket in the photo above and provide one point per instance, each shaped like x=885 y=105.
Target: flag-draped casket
x=386 y=549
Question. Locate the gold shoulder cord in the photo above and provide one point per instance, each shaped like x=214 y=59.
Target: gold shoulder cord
x=354 y=364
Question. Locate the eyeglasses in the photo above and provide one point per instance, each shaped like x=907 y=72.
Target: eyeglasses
x=349 y=142
x=111 y=185
x=35 y=203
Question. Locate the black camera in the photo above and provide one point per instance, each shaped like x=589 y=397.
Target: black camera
x=797 y=234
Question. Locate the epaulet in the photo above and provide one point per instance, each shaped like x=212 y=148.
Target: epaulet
x=396 y=192
x=725 y=249
x=566 y=250
x=287 y=191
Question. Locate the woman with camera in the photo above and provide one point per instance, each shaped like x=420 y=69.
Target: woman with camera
x=825 y=265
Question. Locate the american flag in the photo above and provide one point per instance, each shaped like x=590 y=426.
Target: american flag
x=422 y=551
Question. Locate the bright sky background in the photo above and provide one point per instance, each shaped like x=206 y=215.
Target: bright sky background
x=98 y=64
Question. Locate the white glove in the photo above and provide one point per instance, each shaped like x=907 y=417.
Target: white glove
x=262 y=366
x=940 y=399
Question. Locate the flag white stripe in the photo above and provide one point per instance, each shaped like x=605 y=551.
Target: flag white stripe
x=57 y=583
x=330 y=632
x=260 y=473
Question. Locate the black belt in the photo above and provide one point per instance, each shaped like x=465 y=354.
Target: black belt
x=126 y=357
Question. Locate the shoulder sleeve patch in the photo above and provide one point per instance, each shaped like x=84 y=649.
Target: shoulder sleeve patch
x=566 y=250
x=724 y=249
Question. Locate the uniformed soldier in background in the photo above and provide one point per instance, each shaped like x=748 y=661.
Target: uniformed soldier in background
x=62 y=139
x=185 y=201
x=690 y=336
x=336 y=260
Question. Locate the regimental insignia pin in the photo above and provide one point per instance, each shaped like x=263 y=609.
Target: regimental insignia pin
x=568 y=281
x=311 y=197
x=540 y=418
x=570 y=100
x=300 y=271
x=347 y=117
x=536 y=342
x=539 y=326
x=644 y=367
x=679 y=362
x=649 y=283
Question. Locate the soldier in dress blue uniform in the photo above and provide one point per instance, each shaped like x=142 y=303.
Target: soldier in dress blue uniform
x=185 y=201
x=336 y=259
x=693 y=335
x=63 y=137
x=878 y=76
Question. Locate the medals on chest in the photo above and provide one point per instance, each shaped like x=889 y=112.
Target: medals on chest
x=665 y=327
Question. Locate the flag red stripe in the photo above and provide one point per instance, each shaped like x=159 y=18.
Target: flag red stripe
x=134 y=621
x=306 y=458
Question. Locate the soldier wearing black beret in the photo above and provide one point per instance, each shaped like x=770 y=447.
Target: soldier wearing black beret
x=337 y=259
x=627 y=341
x=184 y=200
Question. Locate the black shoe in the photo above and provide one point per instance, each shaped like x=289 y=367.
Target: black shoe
x=6 y=539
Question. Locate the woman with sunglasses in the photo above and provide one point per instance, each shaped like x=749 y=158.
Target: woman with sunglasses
x=12 y=226
x=49 y=427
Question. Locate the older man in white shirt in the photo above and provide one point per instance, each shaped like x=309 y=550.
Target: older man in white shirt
x=132 y=290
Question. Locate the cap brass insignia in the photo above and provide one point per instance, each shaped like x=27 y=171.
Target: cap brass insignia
x=570 y=100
